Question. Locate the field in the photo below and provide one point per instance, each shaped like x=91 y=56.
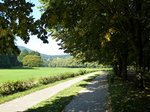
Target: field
x=25 y=74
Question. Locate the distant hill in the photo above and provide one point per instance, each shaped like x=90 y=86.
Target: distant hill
x=44 y=56
x=23 y=48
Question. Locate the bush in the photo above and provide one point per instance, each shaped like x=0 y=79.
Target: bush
x=14 y=87
x=47 y=80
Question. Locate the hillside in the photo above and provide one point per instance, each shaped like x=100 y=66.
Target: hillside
x=44 y=56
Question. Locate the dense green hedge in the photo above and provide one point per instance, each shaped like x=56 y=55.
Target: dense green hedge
x=18 y=86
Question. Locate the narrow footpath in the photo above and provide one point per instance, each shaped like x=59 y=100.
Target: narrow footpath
x=27 y=101
x=91 y=99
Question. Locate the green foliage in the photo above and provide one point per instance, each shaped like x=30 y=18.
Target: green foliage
x=8 y=61
x=32 y=61
x=18 y=86
x=22 y=55
x=16 y=20
x=69 y=62
x=47 y=80
x=109 y=31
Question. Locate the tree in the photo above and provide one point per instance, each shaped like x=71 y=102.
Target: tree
x=34 y=53
x=8 y=61
x=22 y=55
x=32 y=61
x=104 y=30
x=16 y=20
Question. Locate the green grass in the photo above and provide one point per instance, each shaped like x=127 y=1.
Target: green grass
x=60 y=100
x=125 y=97
x=7 y=75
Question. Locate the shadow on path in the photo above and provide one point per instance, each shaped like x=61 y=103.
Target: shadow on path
x=55 y=106
x=92 y=99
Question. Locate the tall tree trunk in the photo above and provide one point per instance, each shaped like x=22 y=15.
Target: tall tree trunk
x=140 y=69
x=120 y=67
x=115 y=68
x=124 y=66
x=140 y=56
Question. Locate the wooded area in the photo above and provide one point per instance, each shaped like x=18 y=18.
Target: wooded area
x=113 y=32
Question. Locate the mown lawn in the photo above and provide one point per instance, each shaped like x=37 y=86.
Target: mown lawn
x=7 y=75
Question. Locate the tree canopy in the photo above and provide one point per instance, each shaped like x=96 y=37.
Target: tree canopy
x=114 y=31
x=16 y=20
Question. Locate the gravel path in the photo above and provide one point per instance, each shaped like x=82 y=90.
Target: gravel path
x=27 y=101
x=91 y=99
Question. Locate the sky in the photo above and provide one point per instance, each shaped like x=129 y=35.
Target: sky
x=36 y=44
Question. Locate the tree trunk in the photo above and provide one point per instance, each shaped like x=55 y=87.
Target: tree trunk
x=124 y=70
x=140 y=69
x=120 y=68
x=115 y=68
x=140 y=57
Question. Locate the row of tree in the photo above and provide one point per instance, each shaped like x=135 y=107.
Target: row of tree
x=69 y=62
x=109 y=31
x=34 y=59
x=7 y=61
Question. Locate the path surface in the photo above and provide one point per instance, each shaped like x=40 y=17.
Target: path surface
x=92 y=99
x=25 y=102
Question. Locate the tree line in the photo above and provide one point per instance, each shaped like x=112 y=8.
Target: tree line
x=115 y=32
x=34 y=59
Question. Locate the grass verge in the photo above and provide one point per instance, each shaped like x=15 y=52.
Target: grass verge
x=58 y=102
x=125 y=97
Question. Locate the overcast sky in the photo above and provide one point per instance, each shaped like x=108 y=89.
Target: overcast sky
x=36 y=44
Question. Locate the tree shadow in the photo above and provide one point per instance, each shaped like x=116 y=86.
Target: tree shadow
x=129 y=98
x=59 y=103
x=54 y=106
x=91 y=99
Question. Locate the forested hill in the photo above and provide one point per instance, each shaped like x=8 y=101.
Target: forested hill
x=44 y=56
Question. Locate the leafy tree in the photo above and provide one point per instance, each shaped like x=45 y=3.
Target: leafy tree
x=34 y=53
x=32 y=61
x=110 y=31
x=8 y=61
x=16 y=20
x=22 y=55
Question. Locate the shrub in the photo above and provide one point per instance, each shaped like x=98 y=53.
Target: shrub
x=47 y=80
x=18 y=86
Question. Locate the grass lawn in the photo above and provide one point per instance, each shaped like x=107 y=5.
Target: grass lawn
x=7 y=75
